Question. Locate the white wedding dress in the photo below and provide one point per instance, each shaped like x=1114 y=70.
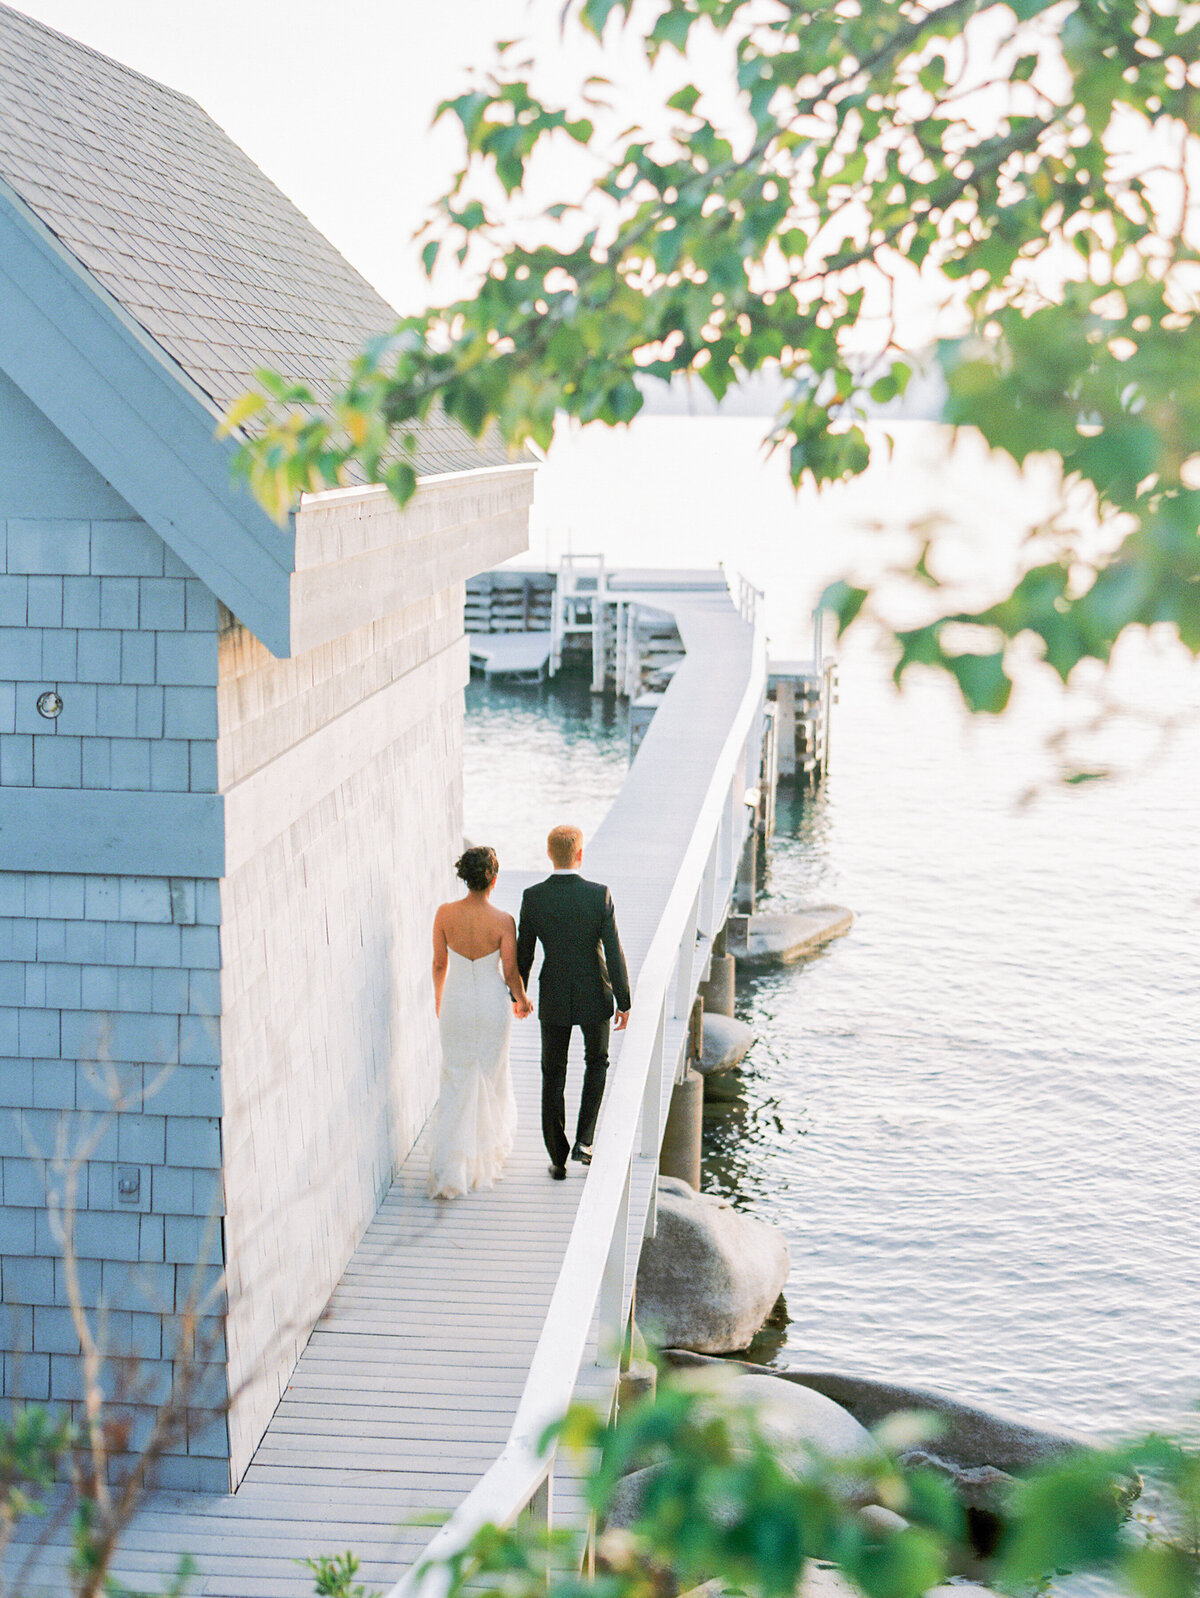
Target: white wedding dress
x=476 y=1117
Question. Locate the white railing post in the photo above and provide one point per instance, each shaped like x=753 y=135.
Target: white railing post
x=630 y=665
x=610 y=1330
x=708 y=890
x=736 y=790
x=653 y=1096
x=541 y=1505
x=687 y=962
x=599 y=665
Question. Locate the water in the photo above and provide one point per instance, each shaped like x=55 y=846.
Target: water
x=974 y=1116
x=565 y=744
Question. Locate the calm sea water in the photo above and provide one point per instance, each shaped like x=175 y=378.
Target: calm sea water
x=975 y=1116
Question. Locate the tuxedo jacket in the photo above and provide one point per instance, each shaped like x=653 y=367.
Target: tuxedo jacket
x=583 y=976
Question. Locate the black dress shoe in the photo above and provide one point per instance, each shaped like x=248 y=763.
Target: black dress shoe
x=584 y=1156
x=558 y=1172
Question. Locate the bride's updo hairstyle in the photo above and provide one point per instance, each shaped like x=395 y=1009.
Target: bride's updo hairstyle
x=478 y=867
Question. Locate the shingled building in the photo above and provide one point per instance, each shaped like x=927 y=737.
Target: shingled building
x=229 y=752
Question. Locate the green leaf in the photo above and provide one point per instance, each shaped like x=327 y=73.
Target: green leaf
x=845 y=602
x=595 y=13
x=982 y=680
x=685 y=99
x=401 y=482
x=1067 y=1517
x=242 y=409
x=672 y=27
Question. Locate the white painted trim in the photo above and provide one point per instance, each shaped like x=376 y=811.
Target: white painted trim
x=134 y=414
x=476 y=474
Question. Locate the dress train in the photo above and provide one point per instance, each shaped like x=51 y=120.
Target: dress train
x=476 y=1118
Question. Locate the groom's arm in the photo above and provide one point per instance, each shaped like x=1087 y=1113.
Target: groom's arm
x=526 y=940
x=614 y=956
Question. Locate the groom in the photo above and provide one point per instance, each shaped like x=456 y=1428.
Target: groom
x=583 y=970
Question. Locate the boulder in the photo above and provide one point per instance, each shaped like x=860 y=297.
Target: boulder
x=967 y=1437
x=975 y=1486
x=777 y=937
x=726 y=1042
x=824 y=1581
x=637 y=1381
x=710 y=1276
x=796 y=1422
x=877 y=1521
x=625 y=1504
x=800 y=1422
x=962 y=1589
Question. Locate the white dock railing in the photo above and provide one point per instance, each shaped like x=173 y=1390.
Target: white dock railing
x=594 y=1265
x=748 y=598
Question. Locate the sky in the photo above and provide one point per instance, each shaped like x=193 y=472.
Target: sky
x=333 y=101
x=335 y=104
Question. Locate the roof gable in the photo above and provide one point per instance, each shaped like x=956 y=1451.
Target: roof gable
x=124 y=405
x=147 y=267
x=184 y=231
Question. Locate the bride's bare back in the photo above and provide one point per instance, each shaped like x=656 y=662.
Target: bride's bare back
x=472 y=927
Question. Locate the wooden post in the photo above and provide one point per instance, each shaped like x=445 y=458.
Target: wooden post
x=681 y=1135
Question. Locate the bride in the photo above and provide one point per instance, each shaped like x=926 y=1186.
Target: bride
x=477 y=989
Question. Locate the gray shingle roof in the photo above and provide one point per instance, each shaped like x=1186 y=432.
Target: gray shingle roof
x=181 y=227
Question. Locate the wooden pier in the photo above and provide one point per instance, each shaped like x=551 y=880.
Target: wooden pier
x=525 y=625
x=458 y=1330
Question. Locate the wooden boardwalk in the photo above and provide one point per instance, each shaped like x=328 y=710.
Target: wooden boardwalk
x=408 y=1386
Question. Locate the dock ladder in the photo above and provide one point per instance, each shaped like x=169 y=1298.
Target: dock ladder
x=579 y=608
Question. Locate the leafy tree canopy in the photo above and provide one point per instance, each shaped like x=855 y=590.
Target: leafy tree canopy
x=1029 y=165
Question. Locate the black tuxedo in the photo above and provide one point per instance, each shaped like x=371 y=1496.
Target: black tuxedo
x=583 y=979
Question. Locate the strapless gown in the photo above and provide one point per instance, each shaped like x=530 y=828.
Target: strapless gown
x=476 y=1117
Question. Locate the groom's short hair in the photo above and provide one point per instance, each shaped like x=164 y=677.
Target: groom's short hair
x=563 y=844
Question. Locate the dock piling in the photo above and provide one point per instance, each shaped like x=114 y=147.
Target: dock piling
x=681 y=1135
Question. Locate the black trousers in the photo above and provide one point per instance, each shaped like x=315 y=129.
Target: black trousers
x=556 y=1040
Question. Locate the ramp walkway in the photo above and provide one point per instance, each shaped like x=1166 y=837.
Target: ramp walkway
x=459 y=1329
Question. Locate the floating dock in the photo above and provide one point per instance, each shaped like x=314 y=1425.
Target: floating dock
x=520 y=657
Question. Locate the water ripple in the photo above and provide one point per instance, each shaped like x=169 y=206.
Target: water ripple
x=975 y=1115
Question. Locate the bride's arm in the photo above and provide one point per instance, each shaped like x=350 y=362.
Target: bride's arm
x=441 y=958
x=512 y=973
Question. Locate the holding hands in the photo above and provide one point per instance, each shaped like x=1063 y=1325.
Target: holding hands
x=522 y=1008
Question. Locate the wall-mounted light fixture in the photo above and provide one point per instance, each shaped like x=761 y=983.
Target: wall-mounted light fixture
x=50 y=705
